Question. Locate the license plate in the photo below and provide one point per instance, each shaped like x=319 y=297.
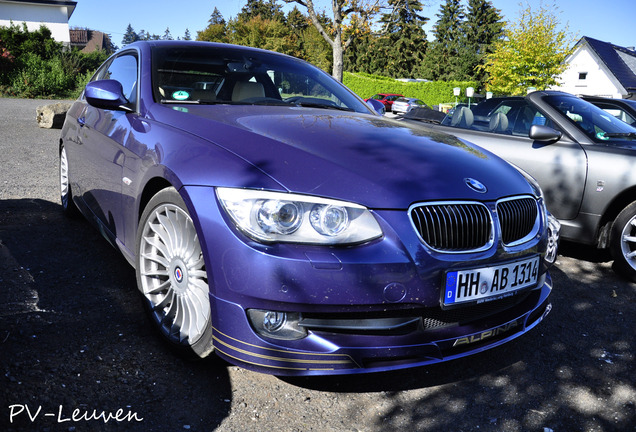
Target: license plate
x=490 y=283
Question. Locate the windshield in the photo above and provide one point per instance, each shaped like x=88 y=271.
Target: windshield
x=233 y=75
x=596 y=123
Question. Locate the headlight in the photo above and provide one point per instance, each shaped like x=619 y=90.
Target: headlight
x=283 y=217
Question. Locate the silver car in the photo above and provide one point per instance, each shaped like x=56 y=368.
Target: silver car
x=404 y=105
x=583 y=158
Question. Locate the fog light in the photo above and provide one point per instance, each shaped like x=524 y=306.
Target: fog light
x=276 y=324
x=554 y=230
x=274 y=321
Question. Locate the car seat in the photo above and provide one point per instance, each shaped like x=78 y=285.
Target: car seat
x=498 y=123
x=246 y=90
x=462 y=117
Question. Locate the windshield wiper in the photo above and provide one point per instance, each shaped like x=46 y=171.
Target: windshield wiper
x=630 y=135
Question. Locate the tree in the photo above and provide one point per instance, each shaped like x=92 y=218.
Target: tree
x=216 y=31
x=143 y=35
x=263 y=33
x=216 y=18
x=484 y=26
x=532 y=53
x=130 y=36
x=167 y=35
x=186 y=35
x=444 y=57
x=307 y=42
x=213 y=33
x=268 y=10
x=403 y=47
x=350 y=19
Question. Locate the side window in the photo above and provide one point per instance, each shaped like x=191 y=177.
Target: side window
x=124 y=70
x=619 y=114
x=526 y=117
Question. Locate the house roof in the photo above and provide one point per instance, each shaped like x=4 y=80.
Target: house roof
x=71 y=4
x=619 y=60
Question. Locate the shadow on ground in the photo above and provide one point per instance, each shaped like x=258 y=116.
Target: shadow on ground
x=73 y=335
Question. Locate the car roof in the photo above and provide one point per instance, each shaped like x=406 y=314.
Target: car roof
x=629 y=102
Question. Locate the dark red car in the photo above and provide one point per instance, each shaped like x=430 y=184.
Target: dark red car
x=387 y=99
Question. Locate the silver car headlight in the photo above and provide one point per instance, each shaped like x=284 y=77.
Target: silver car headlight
x=293 y=218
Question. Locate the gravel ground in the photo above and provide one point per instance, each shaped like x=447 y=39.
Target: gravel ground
x=76 y=348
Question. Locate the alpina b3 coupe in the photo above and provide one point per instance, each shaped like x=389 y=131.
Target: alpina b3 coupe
x=274 y=219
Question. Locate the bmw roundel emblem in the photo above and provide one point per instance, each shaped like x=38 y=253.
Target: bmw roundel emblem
x=178 y=274
x=475 y=185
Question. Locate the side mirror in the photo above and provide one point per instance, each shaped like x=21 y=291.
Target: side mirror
x=107 y=94
x=544 y=133
x=376 y=106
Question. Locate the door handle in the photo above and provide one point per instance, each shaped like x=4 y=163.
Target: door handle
x=81 y=121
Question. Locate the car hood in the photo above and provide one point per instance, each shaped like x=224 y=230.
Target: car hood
x=361 y=158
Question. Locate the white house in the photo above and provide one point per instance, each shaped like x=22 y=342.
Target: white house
x=597 y=68
x=53 y=14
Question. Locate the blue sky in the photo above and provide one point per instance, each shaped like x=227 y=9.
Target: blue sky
x=609 y=20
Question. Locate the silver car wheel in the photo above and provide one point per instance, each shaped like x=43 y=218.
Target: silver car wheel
x=63 y=174
x=66 y=194
x=628 y=242
x=172 y=274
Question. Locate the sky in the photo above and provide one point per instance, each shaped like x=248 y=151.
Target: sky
x=608 y=21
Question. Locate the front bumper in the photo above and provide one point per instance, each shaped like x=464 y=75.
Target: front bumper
x=332 y=353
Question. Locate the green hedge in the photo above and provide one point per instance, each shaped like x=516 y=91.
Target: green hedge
x=433 y=93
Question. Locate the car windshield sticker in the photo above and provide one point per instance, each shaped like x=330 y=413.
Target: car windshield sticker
x=180 y=95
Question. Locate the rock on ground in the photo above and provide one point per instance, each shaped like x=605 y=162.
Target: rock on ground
x=52 y=116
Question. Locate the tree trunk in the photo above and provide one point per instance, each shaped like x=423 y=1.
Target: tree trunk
x=338 y=59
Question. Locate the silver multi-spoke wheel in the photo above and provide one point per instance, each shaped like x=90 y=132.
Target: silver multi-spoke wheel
x=63 y=174
x=623 y=242
x=172 y=274
x=628 y=242
x=66 y=197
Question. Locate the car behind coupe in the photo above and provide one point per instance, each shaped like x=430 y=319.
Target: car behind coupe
x=276 y=220
x=583 y=157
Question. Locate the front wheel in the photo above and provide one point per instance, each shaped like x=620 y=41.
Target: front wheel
x=171 y=274
x=623 y=242
x=66 y=195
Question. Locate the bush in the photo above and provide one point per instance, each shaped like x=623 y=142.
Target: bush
x=35 y=77
x=433 y=93
x=19 y=40
x=34 y=65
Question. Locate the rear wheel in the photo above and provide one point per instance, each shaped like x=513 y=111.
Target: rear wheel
x=623 y=242
x=66 y=195
x=171 y=274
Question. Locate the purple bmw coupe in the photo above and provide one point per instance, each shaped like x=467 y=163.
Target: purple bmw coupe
x=276 y=220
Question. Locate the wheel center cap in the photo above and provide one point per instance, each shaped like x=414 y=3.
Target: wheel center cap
x=178 y=274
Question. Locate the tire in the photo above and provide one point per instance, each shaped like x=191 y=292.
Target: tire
x=66 y=195
x=623 y=242
x=171 y=275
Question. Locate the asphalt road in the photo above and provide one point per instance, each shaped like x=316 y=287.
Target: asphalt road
x=78 y=354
